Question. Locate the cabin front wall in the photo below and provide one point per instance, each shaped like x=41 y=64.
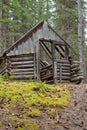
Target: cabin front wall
x=28 y=45
x=20 y=67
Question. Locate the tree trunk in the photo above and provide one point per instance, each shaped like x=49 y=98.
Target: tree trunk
x=80 y=40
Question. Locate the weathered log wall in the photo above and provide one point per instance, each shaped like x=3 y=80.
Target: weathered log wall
x=76 y=74
x=63 y=71
x=46 y=74
x=21 y=67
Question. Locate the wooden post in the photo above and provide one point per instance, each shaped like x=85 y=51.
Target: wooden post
x=54 y=64
x=66 y=52
x=60 y=73
x=35 y=65
x=38 y=60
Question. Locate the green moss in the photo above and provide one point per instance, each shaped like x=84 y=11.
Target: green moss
x=51 y=112
x=34 y=94
x=34 y=113
x=33 y=125
x=0 y=124
x=23 y=100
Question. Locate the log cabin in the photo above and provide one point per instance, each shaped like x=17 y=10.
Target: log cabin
x=41 y=54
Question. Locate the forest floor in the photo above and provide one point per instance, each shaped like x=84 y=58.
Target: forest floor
x=74 y=116
x=38 y=106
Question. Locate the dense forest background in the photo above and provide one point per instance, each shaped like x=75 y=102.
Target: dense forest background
x=18 y=16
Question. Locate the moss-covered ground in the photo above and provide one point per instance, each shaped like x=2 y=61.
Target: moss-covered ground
x=22 y=104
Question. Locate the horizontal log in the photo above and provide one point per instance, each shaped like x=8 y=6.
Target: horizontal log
x=75 y=69
x=22 y=66
x=46 y=77
x=22 y=70
x=65 y=74
x=45 y=70
x=22 y=76
x=21 y=55
x=74 y=66
x=42 y=75
x=63 y=61
x=73 y=72
x=49 y=81
x=76 y=73
x=22 y=59
x=76 y=78
x=64 y=70
x=23 y=73
x=46 y=67
x=45 y=74
x=76 y=62
x=63 y=78
x=64 y=65
x=23 y=62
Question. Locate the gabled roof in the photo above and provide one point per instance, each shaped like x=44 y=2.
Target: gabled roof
x=33 y=30
x=26 y=35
